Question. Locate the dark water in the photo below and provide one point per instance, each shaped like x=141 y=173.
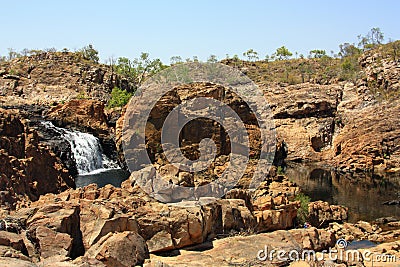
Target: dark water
x=111 y=176
x=363 y=194
x=360 y=244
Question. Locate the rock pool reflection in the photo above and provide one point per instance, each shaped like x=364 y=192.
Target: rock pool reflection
x=363 y=193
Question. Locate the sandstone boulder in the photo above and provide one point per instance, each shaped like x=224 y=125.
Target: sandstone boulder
x=14 y=241
x=122 y=249
x=320 y=213
x=55 y=230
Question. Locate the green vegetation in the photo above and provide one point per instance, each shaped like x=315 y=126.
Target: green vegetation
x=283 y=53
x=280 y=170
x=176 y=60
x=302 y=212
x=138 y=69
x=89 y=53
x=378 y=83
x=390 y=50
x=279 y=67
x=319 y=68
x=394 y=48
x=135 y=71
x=251 y=55
x=13 y=72
x=119 y=98
x=317 y=53
x=373 y=38
x=293 y=71
x=82 y=95
x=212 y=59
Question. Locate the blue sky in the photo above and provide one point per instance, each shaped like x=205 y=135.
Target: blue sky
x=188 y=28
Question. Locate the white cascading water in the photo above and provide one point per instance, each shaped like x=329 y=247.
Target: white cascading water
x=86 y=149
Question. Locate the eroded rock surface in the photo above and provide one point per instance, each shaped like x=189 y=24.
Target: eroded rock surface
x=29 y=169
x=88 y=224
x=243 y=250
x=50 y=77
x=320 y=213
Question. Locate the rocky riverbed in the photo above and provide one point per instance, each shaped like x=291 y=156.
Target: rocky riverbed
x=111 y=226
x=46 y=221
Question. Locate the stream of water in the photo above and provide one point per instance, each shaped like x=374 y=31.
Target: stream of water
x=92 y=164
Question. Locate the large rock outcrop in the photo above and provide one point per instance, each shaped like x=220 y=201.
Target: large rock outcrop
x=55 y=230
x=193 y=133
x=53 y=77
x=350 y=126
x=381 y=70
x=304 y=117
x=29 y=169
x=343 y=125
x=190 y=134
x=370 y=137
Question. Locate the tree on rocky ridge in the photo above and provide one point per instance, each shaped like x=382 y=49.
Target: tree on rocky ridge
x=317 y=53
x=25 y=52
x=176 y=60
x=347 y=49
x=12 y=54
x=283 y=53
x=88 y=52
x=212 y=59
x=138 y=69
x=251 y=55
x=372 y=39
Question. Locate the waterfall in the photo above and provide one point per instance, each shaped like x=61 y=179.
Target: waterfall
x=86 y=148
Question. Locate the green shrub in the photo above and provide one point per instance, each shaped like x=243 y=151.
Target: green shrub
x=119 y=98
x=14 y=72
x=280 y=170
x=82 y=95
x=302 y=212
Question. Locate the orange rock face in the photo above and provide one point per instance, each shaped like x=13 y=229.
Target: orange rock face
x=28 y=168
x=83 y=114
